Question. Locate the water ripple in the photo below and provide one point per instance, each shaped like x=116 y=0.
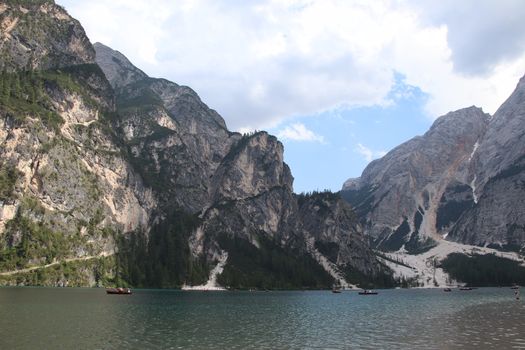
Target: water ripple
x=394 y=319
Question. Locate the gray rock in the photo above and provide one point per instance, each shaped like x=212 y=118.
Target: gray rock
x=462 y=180
x=239 y=184
x=117 y=68
x=406 y=186
x=176 y=141
x=39 y=35
x=113 y=153
x=497 y=218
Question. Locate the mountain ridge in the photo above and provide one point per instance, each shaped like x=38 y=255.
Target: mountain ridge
x=438 y=182
x=109 y=176
x=241 y=190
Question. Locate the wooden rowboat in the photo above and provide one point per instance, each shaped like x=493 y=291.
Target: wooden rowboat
x=118 y=291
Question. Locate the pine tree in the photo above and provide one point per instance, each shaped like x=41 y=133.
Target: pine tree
x=16 y=91
x=6 y=87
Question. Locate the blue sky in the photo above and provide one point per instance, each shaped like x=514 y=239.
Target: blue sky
x=348 y=139
x=340 y=82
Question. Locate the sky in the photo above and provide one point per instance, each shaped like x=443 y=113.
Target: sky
x=340 y=82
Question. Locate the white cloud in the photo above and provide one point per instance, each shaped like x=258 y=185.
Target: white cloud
x=481 y=33
x=299 y=132
x=261 y=63
x=368 y=153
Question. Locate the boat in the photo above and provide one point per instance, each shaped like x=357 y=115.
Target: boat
x=367 y=292
x=465 y=288
x=515 y=287
x=118 y=291
x=447 y=290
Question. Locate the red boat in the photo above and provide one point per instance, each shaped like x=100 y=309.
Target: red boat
x=118 y=291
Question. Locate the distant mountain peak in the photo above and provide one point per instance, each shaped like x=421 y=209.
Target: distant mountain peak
x=118 y=69
x=464 y=176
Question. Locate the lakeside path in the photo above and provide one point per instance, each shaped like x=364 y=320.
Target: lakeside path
x=38 y=267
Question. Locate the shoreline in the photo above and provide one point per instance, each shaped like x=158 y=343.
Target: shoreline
x=251 y=290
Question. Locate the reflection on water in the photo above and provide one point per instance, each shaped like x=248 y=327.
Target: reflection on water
x=494 y=325
x=39 y=318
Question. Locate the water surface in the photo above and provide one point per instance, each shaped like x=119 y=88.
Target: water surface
x=64 y=318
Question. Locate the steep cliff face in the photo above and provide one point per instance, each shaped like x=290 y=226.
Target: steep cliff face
x=405 y=197
x=497 y=219
x=254 y=202
x=238 y=185
x=252 y=193
x=463 y=180
x=110 y=176
x=254 y=165
x=175 y=140
x=69 y=190
x=333 y=235
x=40 y=35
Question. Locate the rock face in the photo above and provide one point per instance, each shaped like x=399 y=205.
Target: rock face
x=331 y=228
x=238 y=185
x=499 y=181
x=462 y=180
x=97 y=158
x=67 y=189
x=175 y=140
x=118 y=69
x=40 y=35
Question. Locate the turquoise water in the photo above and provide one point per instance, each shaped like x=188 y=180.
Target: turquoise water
x=47 y=318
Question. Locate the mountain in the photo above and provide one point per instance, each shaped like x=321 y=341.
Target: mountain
x=457 y=188
x=39 y=35
x=405 y=196
x=108 y=176
x=67 y=189
x=462 y=180
x=236 y=186
x=175 y=140
x=498 y=181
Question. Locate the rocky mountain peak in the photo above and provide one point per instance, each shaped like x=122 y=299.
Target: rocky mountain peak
x=400 y=194
x=118 y=69
x=454 y=123
x=254 y=165
x=352 y=183
x=503 y=142
x=145 y=169
x=498 y=176
x=175 y=137
x=462 y=180
x=134 y=87
x=39 y=35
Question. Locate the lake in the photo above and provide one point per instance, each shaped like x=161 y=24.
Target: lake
x=76 y=318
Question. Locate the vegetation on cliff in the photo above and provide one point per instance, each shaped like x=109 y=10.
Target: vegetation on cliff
x=134 y=171
x=8 y=176
x=162 y=261
x=269 y=266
